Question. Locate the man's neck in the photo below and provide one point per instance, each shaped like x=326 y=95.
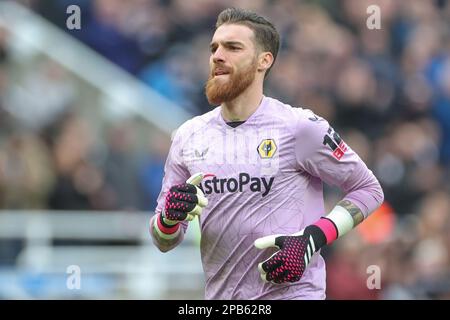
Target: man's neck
x=241 y=108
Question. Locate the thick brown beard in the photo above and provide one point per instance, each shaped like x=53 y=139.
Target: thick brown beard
x=218 y=93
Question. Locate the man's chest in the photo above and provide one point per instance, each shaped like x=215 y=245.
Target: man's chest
x=241 y=160
x=254 y=150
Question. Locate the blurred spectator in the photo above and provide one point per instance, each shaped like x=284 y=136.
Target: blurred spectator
x=346 y=275
x=5 y=120
x=152 y=169
x=25 y=174
x=3 y=45
x=77 y=179
x=120 y=168
x=42 y=96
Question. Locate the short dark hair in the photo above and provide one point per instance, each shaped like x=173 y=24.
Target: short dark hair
x=266 y=35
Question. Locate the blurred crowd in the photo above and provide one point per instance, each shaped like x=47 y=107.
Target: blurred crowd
x=386 y=91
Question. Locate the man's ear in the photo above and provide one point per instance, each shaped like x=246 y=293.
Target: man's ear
x=265 y=61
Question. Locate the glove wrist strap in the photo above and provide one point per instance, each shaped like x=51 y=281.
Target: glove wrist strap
x=337 y=223
x=166 y=228
x=328 y=229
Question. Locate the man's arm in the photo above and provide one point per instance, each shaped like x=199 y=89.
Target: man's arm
x=168 y=237
x=164 y=241
x=363 y=196
x=355 y=212
x=322 y=153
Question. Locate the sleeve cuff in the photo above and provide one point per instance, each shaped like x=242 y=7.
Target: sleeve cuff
x=165 y=231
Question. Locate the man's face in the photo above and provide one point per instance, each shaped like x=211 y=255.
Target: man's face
x=233 y=63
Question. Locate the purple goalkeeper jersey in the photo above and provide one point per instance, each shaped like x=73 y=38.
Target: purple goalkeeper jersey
x=269 y=175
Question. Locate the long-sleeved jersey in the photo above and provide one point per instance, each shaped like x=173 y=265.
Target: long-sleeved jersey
x=269 y=175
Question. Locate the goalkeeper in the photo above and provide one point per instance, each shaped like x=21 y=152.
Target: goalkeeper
x=262 y=214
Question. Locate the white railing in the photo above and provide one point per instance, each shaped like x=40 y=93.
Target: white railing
x=135 y=269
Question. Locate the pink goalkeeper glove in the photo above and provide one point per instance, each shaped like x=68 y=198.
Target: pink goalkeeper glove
x=295 y=251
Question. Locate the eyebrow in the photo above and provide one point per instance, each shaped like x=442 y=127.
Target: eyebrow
x=227 y=43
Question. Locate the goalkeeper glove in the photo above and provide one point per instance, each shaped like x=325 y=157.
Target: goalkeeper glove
x=183 y=203
x=295 y=251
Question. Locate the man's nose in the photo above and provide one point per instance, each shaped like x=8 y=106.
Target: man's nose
x=218 y=56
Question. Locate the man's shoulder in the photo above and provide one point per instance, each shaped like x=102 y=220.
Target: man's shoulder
x=197 y=123
x=293 y=115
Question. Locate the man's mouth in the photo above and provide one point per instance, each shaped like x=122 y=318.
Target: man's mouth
x=220 y=72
